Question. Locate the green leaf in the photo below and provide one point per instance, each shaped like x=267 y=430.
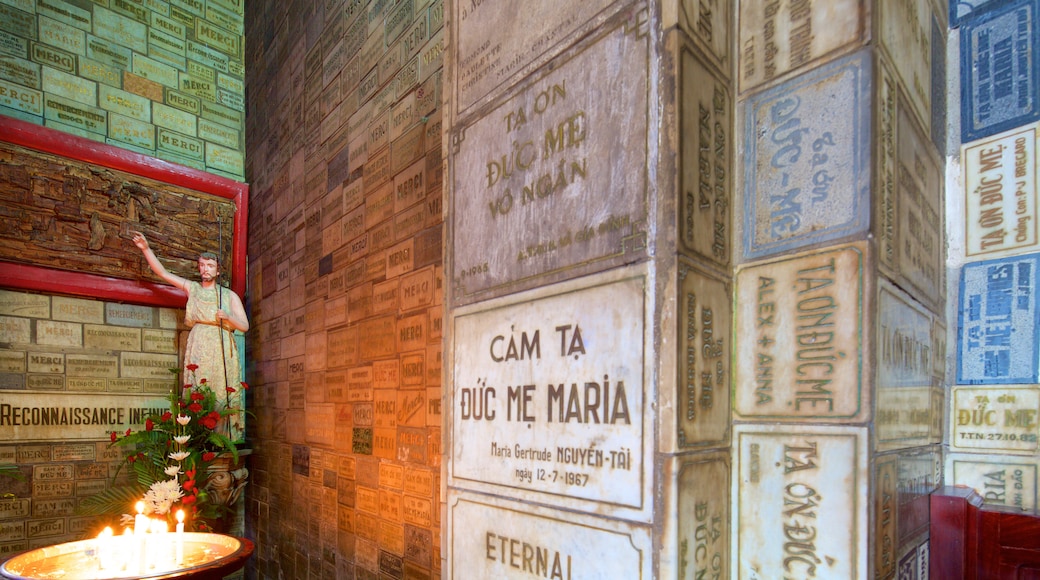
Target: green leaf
x=119 y=499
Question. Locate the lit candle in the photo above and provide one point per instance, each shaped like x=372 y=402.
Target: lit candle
x=180 y=537
x=104 y=548
x=141 y=533
x=140 y=520
x=127 y=552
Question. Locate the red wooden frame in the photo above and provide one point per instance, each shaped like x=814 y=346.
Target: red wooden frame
x=28 y=277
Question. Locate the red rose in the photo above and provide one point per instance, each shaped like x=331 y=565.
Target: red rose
x=131 y=458
x=245 y=386
x=192 y=367
x=202 y=381
x=113 y=434
x=208 y=456
x=127 y=433
x=166 y=416
x=148 y=425
x=208 y=422
x=187 y=386
x=197 y=396
x=229 y=389
x=188 y=500
x=195 y=407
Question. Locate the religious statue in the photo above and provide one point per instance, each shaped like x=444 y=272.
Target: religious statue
x=213 y=312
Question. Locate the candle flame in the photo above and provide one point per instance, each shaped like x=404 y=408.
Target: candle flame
x=180 y=516
x=140 y=507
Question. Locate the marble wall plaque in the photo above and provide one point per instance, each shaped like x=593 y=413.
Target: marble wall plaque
x=813 y=492
x=806 y=159
x=706 y=149
x=129 y=315
x=1001 y=191
x=55 y=333
x=998 y=419
x=705 y=316
x=708 y=22
x=701 y=484
x=1000 y=480
x=548 y=398
x=886 y=502
x=782 y=36
x=906 y=33
x=557 y=149
x=21 y=99
x=15 y=362
x=1000 y=83
x=26 y=305
x=904 y=371
x=15 y=330
x=801 y=337
x=998 y=321
x=144 y=365
x=46 y=362
x=69 y=417
x=962 y=11
x=488 y=539
x=111 y=337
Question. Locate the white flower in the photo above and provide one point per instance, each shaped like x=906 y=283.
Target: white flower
x=182 y=439
x=179 y=455
x=183 y=420
x=172 y=470
x=161 y=495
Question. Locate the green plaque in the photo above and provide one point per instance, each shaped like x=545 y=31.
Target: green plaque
x=64 y=12
x=168 y=42
x=207 y=56
x=196 y=7
x=236 y=6
x=108 y=53
x=198 y=87
x=53 y=57
x=216 y=37
x=166 y=57
x=224 y=159
x=77 y=131
x=21 y=98
x=186 y=103
x=70 y=112
x=230 y=83
x=174 y=119
x=201 y=71
x=69 y=86
x=169 y=141
x=120 y=29
x=231 y=100
x=62 y=35
x=12 y=45
x=219 y=134
x=168 y=25
x=20 y=71
x=225 y=18
x=182 y=16
x=124 y=103
x=154 y=70
x=100 y=72
x=17 y=22
x=222 y=115
x=130 y=9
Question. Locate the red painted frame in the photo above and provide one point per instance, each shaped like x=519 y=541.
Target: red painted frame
x=28 y=277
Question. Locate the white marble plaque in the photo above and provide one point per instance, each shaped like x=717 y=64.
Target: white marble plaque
x=500 y=539
x=1000 y=190
x=555 y=178
x=700 y=487
x=801 y=337
x=906 y=33
x=999 y=419
x=26 y=416
x=492 y=48
x=800 y=498
x=1000 y=480
x=22 y=304
x=548 y=399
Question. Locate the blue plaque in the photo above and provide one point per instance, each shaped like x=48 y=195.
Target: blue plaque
x=807 y=159
x=1000 y=71
x=964 y=11
x=998 y=321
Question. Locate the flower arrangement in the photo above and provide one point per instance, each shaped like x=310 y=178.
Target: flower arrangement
x=170 y=458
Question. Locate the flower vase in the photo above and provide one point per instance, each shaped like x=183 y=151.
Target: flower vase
x=225 y=483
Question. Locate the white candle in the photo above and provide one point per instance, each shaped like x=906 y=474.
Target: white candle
x=126 y=552
x=140 y=520
x=180 y=537
x=104 y=548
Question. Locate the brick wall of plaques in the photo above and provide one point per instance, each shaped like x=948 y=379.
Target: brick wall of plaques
x=162 y=78
x=72 y=371
x=346 y=286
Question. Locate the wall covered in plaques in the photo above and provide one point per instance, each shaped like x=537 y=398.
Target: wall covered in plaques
x=162 y=78
x=72 y=371
x=346 y=277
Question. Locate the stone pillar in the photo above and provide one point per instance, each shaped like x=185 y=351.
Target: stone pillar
x=709 y=243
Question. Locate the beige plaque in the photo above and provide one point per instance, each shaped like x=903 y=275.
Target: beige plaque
x=92 y=366
x=46 y=362
x=807 y=486
x=78 y=310
x=699 y=489
x=996 y=419
x=794 y=359
x=111 y=337
x=15 y=330
x=147 y=365
x=886 y=501
x=1000 y=185
x=784 y=35
x=54 y=333
x=906 y=34
x=26 y=416
x=386 y=374
x=13 y=361
x=320 y=426
x=160 y=341
x=708 y=22
x=26 y=305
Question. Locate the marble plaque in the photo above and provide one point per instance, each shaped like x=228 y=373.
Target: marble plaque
x=782 y=36
x=129 y=315
x=1001 y=191
x=147 y=365
x=701 y=486
x=520 y=428
x=904 y=371
x=801 y=337
x=14 y=362
x=997 y=419
x=320 y=428
x=1000 y=480
x=14 y=330
x=557 y=149
x=99 y=71
x=490 y=537
x=111 y=337
x=906 y=34
x=78 y=310
x=886 y=502
x=20 y=71
x=705 y=322
x=812 y=494
x=161 y=341
x=962 y=11
x=25 y=305
x=707 y=22
x=999 y=322
x=46 y=362
x=491 y=52
x=806 y=156
x=706 y=146
x=1000 y=82
x=21 y=99
x=69 y=417
x=54 y=333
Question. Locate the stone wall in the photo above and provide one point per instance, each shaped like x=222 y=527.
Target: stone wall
x=344 y=141
x=72 y=371
x=165 y=79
